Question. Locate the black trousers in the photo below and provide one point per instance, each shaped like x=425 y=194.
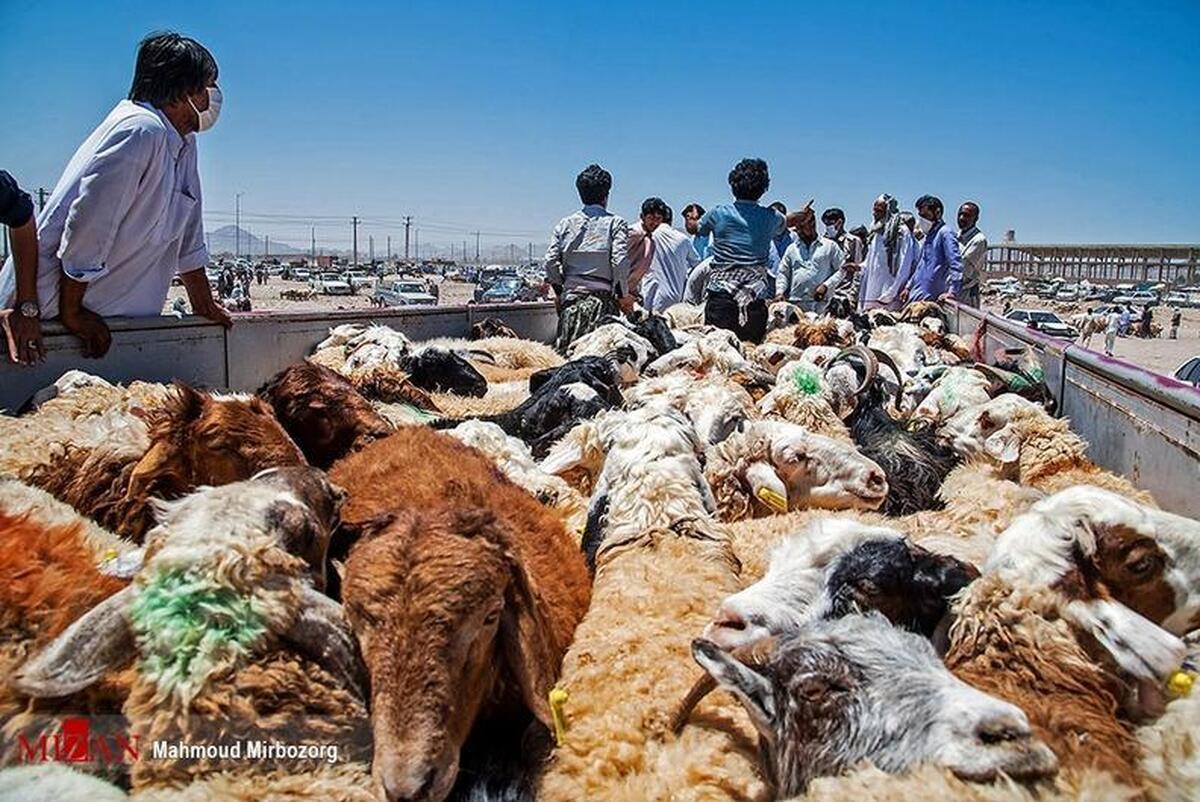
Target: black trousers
x=721 y=310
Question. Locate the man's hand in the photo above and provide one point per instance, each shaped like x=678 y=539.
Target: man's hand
x=25 y=338
x=91 y=329
x=945 y=296
x=904 y=296
x=214 y=312
x=850 y=268
x=819 y=292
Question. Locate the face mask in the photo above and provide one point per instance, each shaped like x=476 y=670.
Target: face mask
x=924 y=225
x=208 y=117
x=831 y=231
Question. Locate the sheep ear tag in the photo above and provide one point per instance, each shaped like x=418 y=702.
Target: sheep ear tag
x=767 y=487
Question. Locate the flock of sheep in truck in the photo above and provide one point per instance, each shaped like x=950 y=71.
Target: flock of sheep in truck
x=862 y=560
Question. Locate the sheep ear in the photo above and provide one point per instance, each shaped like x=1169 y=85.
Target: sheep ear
x=1003 y=446
x=1140 y=647
x=322 y=634
x=525 y=634
x=301 y=535
x=152 y=466
x=767 y=487
x=99 y=641
x=751 y=688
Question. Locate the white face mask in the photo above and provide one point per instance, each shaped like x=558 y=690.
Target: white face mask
x=924 y=225
x=831 y=231
x=208 y=117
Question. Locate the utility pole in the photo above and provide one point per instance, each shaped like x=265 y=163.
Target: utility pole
x=237 y=224
x=531 y=253
x=464 y=252
x=267 y=246
x=314 y=244
x=42 y=198
x=354 y=226
x=417 y=243
x=407 y=225
x=371 y=248
x=476 y=247
x=389 y=247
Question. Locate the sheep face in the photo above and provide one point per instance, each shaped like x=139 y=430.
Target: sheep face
x=443 y=612
x=818 y=471
x=837 y=568
x=440 y=370
x=839 y=692
x=199 y=439
x=972 y=432
x=1121 y=567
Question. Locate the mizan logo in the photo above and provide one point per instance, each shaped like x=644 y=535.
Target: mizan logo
x=76 y=743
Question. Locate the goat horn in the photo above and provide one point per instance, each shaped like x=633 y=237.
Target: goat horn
x=486 y=357
x=993 y=373
x=864 y=354
x=887 y=360
x=321 y=633
x=702 y=688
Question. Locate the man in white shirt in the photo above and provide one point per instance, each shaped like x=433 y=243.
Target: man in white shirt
x=125 y=217
x=974 y=247
x=673 y=260
x=810 y=268
x=891 y=254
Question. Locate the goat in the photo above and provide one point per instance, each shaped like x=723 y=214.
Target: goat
x=491 y=327
x=839 y=691
x=322 y=412
x=445 y=536
x=914 y=462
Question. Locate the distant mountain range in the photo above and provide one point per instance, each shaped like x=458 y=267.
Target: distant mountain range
x=225 y=240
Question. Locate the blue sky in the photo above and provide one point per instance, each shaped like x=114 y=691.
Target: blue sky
x=1070 y=122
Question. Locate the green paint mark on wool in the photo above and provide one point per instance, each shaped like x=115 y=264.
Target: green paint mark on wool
x=807 y=381
x=185 y=623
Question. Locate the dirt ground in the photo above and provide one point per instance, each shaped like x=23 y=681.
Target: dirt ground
x=1160 y=355
x=266 y=297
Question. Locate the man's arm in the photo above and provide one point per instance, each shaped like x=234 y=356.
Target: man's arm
x=705 y=226
x=783 y=279
x=552 y=261
x=954 y=257
x=838 y=273
x=16 y=212
x=200 y=295
x=85 y=324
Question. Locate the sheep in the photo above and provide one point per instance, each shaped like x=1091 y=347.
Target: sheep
x=904 y=344
x=491 y=327
x=836 y=692
x=55 y=782
x=834 y=567
x=772 y=356
x=773 y=466
x=604 y=340
x=816 y=399
x=195 y=438
x=76 y=394
x=915 y=462
x=517 y=463
x=38 y=439
x=1033 y=448
x=323 y=413
x=652 y=592
x=425 y=508
x=429 y=367
x=651 y=327
x=955 y=390
x=18 y=500
x=819 y=331
x=233 y=638
x=716 y=405
x=781 y=314
x=708 y=355
x=681 y=315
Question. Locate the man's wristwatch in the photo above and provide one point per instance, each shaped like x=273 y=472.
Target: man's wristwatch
x=29 y=309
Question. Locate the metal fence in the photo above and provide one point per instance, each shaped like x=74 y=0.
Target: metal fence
x=160 y=349
x=1137 y=423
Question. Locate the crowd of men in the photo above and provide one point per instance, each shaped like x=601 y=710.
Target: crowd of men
x=737 y=257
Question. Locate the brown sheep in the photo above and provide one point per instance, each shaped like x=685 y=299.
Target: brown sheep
x=491 y=327
x=454 y=553
x=323 y=412
x=195 y=439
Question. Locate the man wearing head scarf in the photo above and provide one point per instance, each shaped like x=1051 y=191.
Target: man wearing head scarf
x=890 y=256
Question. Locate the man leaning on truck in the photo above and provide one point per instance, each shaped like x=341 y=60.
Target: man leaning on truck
x=125 y=217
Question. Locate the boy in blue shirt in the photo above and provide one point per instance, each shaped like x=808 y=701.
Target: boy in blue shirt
x=742 y=233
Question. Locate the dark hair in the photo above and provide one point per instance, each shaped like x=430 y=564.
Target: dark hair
x=593 y=184
x=693 y=207
x=929 y=200
x=749 y=179
x=669 y=217
x=833 y=213
x=779 y=206
x=655 y=206
x=974 y=206
x=170 y=66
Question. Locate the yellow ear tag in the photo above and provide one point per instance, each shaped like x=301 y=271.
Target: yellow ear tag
x=111 y=554
x=558 y=698
x=1180 y=683
x=772 y=499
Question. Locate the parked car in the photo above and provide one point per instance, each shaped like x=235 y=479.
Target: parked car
x=506 y=290
x=358 y=280
x=1067 y=295
x=330 y=284
x=1135 y=311
x=1042 y=321
x=1177 y=299
x=403 y=292
x=1189 y=372
x=1137 y=298
x=299 y=274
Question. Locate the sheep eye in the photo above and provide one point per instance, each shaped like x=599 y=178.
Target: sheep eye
x=1144 y=565
x=491 y=618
